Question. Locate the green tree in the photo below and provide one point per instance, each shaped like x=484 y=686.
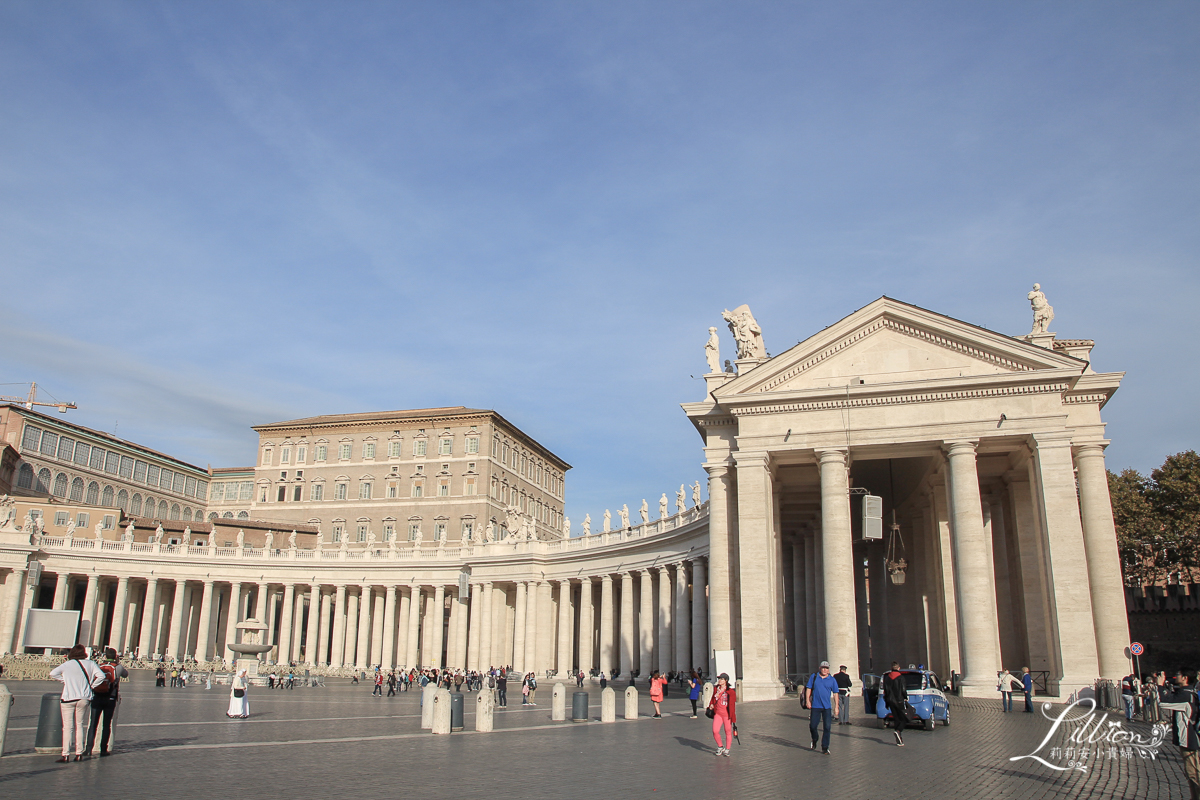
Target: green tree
x=1174 y=493
x=1158 y=521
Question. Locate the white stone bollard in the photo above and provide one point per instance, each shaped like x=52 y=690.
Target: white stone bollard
x=631 y=700
x=558 y=704
x=441 y=711
x=707 y=693
x=5 y=704
x=427 y=706
x=608 y=705
x=485 y=706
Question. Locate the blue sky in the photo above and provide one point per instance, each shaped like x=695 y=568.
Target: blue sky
x=220 y=214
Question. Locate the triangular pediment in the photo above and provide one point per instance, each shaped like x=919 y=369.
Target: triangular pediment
x=890 y=342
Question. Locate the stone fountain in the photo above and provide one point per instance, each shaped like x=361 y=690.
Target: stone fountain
x=253 y=645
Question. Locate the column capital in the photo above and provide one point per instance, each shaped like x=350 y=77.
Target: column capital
x=752 y=458
x=606 y=578
x=1090 y=449
x=833 y=455
x=1044 y=441
x=662 y=569
x=717 y=469
x=958 y=447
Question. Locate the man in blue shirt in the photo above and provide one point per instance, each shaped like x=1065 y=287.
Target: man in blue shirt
x=1027 y=685
x=821 y=693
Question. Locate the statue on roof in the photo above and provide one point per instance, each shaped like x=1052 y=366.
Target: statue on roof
x=645 y=511
x=607 y=521
x=1043 y=312
x=241 y=538
x=292 y=540
x=712 y=351
x=270 y=541
x=662 y=506
x=680 y=499
x=624 y=514
x=746 y=332
x=587 y=524
x=696 y=494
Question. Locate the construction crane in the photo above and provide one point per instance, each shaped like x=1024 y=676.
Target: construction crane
x=31 y=401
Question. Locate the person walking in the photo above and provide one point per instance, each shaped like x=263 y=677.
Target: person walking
x=174 y=677
x=391 y=682
x=78 y=675
x=1184 y=710
x=105 y=700
x=1027 y=687
x=694 y=691
x=502 y=688
x=579 y=679
x=603 y=682
x=378 y=690
x=844 y=683
x=895 y=695
x=723 y=710
x=1004 y=683
x=239 y=703
x=822 y=696
x=658 y=685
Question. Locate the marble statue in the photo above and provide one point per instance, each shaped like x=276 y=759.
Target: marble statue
x=512 y=519
x=370 y=539
x=187 y=532
x=587 y=524
x=270 y=545
x=530 y=528
x=566 y=527
x=158 y=532
x=241 y=538
x=344 y=542
x=489 y=531
x=1043 y=312
x=746 y=332
x=607 y=521
x=712 y=351
x=99 y=529
x=28 y=526
x=645 y=511
x=696 y=494
x=680 y=500
x=730 y=368
x=624 y=514
x=71 y=528
x=292 y=540
x=445 y=534
x=129 y=532
x=662 y=506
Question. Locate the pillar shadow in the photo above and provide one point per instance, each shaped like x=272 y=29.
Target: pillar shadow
x=692 y=743
x=32 y=773
x=778 y=741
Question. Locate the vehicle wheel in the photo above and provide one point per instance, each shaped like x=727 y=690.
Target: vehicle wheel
x=946 y=721
x=929 y=724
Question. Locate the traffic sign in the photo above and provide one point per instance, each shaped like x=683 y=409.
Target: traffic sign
x=1136 y=648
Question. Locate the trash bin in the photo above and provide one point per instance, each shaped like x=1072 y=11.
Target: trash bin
x=579 y=707
x=456 y=711
x=49 y=729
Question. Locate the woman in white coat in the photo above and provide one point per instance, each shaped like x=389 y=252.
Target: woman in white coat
x=239 y=701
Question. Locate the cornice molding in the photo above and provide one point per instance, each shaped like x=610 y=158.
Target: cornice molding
x=901 y=399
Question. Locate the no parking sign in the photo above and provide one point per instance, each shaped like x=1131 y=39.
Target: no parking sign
x=1136 y=648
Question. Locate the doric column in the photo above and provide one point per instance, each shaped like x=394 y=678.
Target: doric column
x=388 y=658
x=235 y=609
x=287 y=617
x=311 y=640
x=61 y=582
x=544 y=660
x=413 y=654
x=518 y=655
x=531 y=626
x=473 y=626
x=116 y=635
x=811 y=576
x=628 y=633
x=1103 y=560
x=365 y=604
x=972 y=574
x=348 y=656
x=377 y=657
x=587 y=625
x=293 y=657
x=607 y=662
x=486 y=659
x=177 y=633
x=336 y=658
x=664 y=620
x=260 y=604
x=403 y=612
x=14 y=588
x=566 y=626
x=149 y=619
x=204 y=638
x=719 y=615
x=439 y=624
x=759 y=580
x=90 y=598
x=324 y=626
x=799 y=604
x=646 y=625
x=683 y=620
x=841 y=636
x=700 y=648
x=458 y=610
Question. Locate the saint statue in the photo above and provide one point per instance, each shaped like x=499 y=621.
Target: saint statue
x=624 y=513
x=607 y=521
x=28 y=526
x=270 y=541
x=158 y=532
x=1043 y=312
x=645 y=511
x=566 y=527
x=696 y=494
x=241 y=538
x=129 y=532
x=680 y=500
x=712 y=351
x=587 y=524
x=370 y=539
x=99 y=529
x=71 y=528
x=662 y=506
x=292 y=540
x=746 y=332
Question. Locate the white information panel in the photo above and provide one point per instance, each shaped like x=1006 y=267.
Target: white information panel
x=46 y=628
x=725 y=663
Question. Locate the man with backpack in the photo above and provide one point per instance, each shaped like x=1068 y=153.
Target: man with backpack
x=105 y=699
x=1184 y=709
x=895 y=696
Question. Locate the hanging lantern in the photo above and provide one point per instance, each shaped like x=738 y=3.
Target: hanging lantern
x=896 y=563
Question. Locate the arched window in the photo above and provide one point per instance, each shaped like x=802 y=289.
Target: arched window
x=213 y=515
x=106 y=497
x=227 y=515
x=123 y=500
x=149 y=506
x=135 y=505
x=25 y=477
x=162 y=509
x=187 y=513
x=43 y=484
x=93 y=493
x=77 y=490
x=174 y=510
x=60 y=485
x=243 y=515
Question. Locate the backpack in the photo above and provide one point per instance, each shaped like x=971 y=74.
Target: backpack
x=109 y=682
x=532 y=683
x=492 y=682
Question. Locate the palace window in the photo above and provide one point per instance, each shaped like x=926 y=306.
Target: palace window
x=262 y=495
x=389 y=531
x=93 y=493
x=444 y=487
x=135 y=505
x=362 y=533
x=301 y=454
x=321 y=451
x=364 y=490
x=177 y=483
x=340 y=491
x=81 y=519
x=83 y=452
x=369 y=450
x=112 y=463
x=66 y=449
x=394 y=449
x=29 y=442
x=139 y=471
x=296 y=491
x=344 y=452
x=439 y=530
x=123 y=500
x=337 y=533
x=152 y=475
x=468 y=530
x=392 y=491
x=317 y=492
x=445 y=447
x=60 y=484
x=97 y=460
x=495 y=446
x=109 y=522
x=77 y=490
x=418 y=488
x=281 y=494
x=472 y=444
x=469 y=486
x=61 y=518
x=266 y=458
x=419 y=447
x=162 y=509
x=285 y=455
x=414 y=532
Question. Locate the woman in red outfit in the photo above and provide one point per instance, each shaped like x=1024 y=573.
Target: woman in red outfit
x=724 y=707
x=657 y=682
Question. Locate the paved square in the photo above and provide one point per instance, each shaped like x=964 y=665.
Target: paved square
x=342 y=742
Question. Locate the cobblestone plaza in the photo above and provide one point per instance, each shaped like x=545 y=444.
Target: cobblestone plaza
x=340 y=741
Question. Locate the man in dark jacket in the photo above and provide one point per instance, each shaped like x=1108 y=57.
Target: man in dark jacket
x=895 y=695
x=844 y=683
x=1185 y=728
x=104 y=704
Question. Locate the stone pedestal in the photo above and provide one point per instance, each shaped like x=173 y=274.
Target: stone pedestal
x=608 y=705
x=485 y=706
x=1045 y=340
x=631 y=701
x=558 y=703
x=441 y=711
x=248 y=664
x=427 y=706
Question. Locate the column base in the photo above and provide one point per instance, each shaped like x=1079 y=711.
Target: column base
x=754 y=690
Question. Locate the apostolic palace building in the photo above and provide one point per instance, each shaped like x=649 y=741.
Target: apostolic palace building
x=899 y=486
